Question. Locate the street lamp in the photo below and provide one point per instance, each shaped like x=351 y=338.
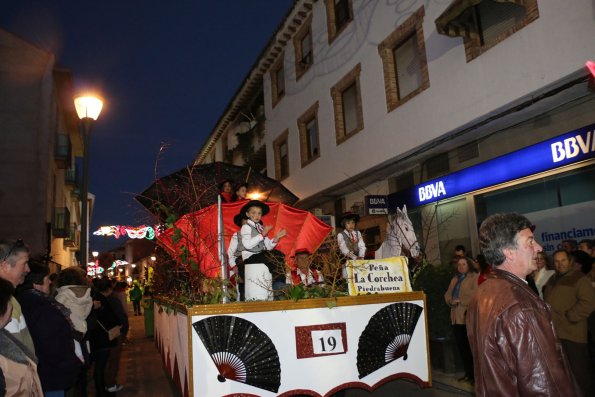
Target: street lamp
x=88 y=109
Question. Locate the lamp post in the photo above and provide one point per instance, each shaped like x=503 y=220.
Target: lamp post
x=88 y=109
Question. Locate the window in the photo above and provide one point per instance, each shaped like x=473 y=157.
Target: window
x=277 y=81
x=485 y=23
x=338 y=15
x=404 y=181
x=347 y=103
x=281 y=151
x=309 y=142
x=404 y=61
x=492 y=22
x=302 y=44
x=342 y=13
x=468 y=152
x=437 y=166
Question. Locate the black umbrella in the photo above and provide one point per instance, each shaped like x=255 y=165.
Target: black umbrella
x=195 y=187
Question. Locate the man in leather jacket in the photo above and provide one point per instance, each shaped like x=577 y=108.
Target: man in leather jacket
x=515 y=348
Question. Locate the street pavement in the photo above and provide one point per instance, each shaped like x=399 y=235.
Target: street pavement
x=142 y=374
x=141 y=370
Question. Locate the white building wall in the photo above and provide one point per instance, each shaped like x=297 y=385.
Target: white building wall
x=554 y=46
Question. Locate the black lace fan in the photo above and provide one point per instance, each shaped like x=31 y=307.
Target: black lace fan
x=241 y=351
x=386 y=337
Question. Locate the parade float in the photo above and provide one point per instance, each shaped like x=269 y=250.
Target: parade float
x=316 y=341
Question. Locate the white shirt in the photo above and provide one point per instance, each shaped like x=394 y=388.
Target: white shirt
x=541 y=278
x=250 y=242
x=231 y=250
x=361 y=246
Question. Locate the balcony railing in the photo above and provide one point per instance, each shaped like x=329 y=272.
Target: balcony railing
x=63 y=152
x=70 y=177
x=72 y=241
x=61 y=224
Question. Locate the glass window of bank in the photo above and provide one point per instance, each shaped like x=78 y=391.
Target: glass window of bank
x=559 y=190
x=448 y=221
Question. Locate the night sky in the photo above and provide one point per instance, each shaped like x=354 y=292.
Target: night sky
x=167 y=71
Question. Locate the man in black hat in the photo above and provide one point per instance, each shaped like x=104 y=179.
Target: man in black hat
x=258 y=247
x=350 y=240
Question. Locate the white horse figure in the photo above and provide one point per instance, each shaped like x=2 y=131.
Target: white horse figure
x=399 y=234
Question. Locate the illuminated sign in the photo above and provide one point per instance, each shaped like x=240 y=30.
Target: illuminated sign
x=433 y=190
x=376 y=204
x=138 y=232
x=565 y=149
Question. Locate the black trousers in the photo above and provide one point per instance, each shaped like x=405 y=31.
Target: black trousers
x=100 y=357
x=580 y=363
x=462 y=341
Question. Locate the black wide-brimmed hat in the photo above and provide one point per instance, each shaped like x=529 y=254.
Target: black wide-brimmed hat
x=255 y=203
x=238 y=219
x=349 y=216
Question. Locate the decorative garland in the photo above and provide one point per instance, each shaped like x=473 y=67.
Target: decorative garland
x=137 y=232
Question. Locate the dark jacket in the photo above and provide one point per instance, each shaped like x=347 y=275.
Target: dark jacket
x=572 y=299
x=53 y=337
x=515 y=347
x=115 y=305
x=136 y=294
x=109 y=315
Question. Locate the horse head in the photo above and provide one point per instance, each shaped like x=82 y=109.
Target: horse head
x=405 y=232
x=399 y=234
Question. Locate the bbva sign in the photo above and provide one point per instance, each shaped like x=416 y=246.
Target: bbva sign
x=431 y=191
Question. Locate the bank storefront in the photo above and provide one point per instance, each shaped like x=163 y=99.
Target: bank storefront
x=551 y=182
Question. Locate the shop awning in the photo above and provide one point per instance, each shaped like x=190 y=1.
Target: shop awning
x=458 y=19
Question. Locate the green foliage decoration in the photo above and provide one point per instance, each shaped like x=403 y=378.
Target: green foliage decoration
x=433 y=281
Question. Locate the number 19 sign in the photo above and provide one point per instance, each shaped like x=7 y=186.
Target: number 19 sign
x=320 y=340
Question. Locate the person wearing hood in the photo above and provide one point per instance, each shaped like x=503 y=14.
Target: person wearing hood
x=73 y=291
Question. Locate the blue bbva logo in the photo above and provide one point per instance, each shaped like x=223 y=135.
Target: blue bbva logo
x=431 y=191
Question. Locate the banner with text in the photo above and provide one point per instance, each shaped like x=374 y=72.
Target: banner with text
x=571 y=222
x=382 y=276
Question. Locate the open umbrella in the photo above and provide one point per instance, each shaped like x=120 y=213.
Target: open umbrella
x=195 y=187
x=197 y=233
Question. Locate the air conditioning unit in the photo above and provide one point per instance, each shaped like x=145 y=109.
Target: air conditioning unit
x=328 y=219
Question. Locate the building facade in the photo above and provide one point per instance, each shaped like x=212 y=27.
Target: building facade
x=39 y=140
x=424 y=104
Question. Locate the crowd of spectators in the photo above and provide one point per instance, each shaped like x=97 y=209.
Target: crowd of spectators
x=565 y=281
x=53 y=329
